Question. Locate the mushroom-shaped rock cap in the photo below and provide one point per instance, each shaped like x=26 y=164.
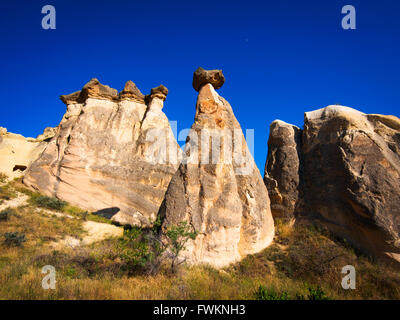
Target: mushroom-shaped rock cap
x=92 y=89
x=131 y=91
x=71 y=98
x=157 y=92
x=202 y=77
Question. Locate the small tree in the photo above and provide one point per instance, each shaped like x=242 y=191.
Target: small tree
x=177 y=237
x=147 y=249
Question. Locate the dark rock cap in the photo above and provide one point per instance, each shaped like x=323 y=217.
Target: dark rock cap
x=159 y=92
x=92 y=89
x=131 y=91
x=71 y=98
x=160 y=89
x=202 y=77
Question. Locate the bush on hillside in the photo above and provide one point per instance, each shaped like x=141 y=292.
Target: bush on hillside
x=14 y=239
x=148 y=249
x=48 y=202
x=314 y=293
x=6 y=213
x=263 y=293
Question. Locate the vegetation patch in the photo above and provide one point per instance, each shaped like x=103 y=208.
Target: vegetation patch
x=7 y=192
x=14 y=239
x=270 y=294
x=148 y=249
x=304 y=262
x=48 y=202
x=6 y=213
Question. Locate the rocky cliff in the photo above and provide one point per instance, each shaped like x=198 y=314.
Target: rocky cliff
x=108 y=154
x=342 y=173
x=218 y=189
x=18 y=152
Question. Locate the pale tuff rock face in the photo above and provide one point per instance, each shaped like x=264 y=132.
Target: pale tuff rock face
x=350 y=181
x=282 y=168
x=99 y=158
x=228 y=209
x=18 y=152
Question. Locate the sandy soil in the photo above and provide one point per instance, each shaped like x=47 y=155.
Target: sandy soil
x=20 y=200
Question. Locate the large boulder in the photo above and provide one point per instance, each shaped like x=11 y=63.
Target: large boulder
x=350 y=181
x=218 y=189
x=102 y=158
x=202 y=77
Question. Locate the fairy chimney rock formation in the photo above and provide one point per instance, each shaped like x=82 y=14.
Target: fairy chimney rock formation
x=101 y=158
x=218 y=189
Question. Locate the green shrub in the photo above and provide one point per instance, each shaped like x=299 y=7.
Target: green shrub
x=314 y=293
x=317 y=294
x=264 y=294
x=147 y=249
x=70 y=272
x=134 y=250
x=5 y=214
x=14 y=239
x=48 y=202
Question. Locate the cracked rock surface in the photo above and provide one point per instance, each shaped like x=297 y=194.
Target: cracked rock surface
x=348 y=168
x=101 y=158
x=224 y=201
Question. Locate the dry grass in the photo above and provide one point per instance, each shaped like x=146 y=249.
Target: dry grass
x=7 y=192
x=300 y=257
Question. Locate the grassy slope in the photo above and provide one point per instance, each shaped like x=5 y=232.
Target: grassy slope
x=300 y=258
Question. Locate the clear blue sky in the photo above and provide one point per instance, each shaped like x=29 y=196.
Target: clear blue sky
x=280 y=58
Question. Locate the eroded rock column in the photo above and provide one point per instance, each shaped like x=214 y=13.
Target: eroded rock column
x=218 y=189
